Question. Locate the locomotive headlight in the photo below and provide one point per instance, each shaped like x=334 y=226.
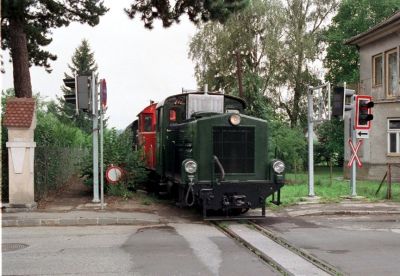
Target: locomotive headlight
x=234 y=119
x=278 y=166
x=190 y=166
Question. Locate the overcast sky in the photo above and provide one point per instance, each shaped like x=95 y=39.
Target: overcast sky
x=139 y=65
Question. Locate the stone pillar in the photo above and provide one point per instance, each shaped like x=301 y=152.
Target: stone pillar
x=20 y=120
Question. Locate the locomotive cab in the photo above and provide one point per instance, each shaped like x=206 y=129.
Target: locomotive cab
x=146 y=134
x=212 y=155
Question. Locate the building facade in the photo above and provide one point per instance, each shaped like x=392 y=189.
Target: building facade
x=379 y=50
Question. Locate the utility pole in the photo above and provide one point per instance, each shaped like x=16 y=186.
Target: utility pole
x=239 y=72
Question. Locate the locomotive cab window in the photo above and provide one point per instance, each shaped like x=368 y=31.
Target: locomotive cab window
x=172 y=115
x=147 y=123
x=233 y=106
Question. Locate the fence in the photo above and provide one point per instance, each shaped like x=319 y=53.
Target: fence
x=54 y=165
x=389 y=177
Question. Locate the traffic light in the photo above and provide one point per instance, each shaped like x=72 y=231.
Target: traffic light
x=364 y=105
x=81 y=86
x=341 y=101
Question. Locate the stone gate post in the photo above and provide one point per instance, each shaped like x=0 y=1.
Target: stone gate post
x=20 y=120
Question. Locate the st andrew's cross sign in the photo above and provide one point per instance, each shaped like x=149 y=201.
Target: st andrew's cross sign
x=354 y=156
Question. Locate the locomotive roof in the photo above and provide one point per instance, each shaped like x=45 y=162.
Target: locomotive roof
x=148 y=109
x=161 y=103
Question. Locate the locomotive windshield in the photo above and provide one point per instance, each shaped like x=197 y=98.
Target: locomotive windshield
x=182 y=107
x=205 y=103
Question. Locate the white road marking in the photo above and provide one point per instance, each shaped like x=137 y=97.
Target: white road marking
x=198 y=236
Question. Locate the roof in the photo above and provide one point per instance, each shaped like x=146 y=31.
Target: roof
x=378 y=31
x=19 y=112
x=161 y=103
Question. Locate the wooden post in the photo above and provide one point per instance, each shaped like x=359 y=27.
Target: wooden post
x=389 y=180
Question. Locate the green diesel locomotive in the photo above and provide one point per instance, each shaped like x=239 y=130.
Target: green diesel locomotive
x=206 y=152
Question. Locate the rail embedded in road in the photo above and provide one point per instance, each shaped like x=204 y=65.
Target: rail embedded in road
x=275 y=251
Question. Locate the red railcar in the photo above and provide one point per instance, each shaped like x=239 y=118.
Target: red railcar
x=147 y=134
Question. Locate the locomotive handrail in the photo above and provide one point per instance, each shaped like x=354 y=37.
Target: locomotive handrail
x=221 y=168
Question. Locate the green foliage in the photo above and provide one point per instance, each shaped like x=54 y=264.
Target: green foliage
x=119 y=190
x=51 y=131
x=40 y=17
x=288 y=144
x=253 y=33
x=197 y=10
x=297 y=187
x=82 y=63
x=5 y=94
x=330 y=146
x=273 y=44
x=353 y=18
x=118 y=151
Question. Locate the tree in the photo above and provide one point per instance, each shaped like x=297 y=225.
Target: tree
x=82 y=63
x=26 y=27
x=251 y=36
x=277 y=43
x=330 y=142
x=197 y=10
x=353 y=17
x=302 y=46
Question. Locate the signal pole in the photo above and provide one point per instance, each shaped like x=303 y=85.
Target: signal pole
x=310 y=142
x=95 y=113
x=353 y=180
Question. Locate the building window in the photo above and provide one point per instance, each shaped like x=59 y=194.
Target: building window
x=377 y=67
x=392 y=71
x=394 y=136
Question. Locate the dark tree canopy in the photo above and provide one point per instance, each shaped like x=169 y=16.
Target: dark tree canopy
x=26 y=27
x=197 y=10
x=353 y=17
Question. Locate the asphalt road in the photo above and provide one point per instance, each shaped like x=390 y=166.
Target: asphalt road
x=176 y=249
x=356 y=245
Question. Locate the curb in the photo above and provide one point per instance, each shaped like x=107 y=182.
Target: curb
x=76 y=222
x=344 y=212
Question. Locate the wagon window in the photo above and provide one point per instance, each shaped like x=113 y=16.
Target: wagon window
x=147 y=123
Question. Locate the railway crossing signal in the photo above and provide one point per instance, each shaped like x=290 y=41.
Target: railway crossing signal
x=341 y=101
x=354 y=156
x=363 y=113
x=81 y=85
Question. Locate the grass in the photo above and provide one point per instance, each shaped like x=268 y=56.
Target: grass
x=296 y=187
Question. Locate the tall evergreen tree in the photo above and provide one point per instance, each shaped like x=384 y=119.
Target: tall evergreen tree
x=82 y=63
x=26 y=27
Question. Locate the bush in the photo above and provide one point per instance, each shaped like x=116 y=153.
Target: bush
x=118 y=151
x=288 y=144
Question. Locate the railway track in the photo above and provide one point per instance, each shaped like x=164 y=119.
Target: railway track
x=286 y=258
